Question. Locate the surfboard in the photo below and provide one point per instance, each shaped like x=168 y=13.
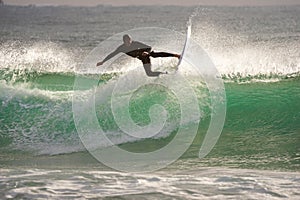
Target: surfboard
x=188 y=35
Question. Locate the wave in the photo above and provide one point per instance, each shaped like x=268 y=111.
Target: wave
x=51 y=63
x=36 y=83
x=64 y=81
x=41 y=121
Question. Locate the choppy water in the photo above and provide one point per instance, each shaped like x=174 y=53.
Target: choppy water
x=206 y=183
x=256 y=51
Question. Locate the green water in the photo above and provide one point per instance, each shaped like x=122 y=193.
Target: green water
x=261 y=130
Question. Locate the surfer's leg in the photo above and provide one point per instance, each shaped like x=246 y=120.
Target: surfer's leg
x=149 y=72
x=147 y=66
x=163 y=54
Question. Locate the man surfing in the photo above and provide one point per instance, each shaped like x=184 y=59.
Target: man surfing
x=140 y=51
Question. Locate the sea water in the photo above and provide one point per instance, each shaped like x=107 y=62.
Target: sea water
x=256 y=51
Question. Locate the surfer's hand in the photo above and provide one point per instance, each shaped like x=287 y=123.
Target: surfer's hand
x=145 y=53
x=100 y=63
x=177 y=56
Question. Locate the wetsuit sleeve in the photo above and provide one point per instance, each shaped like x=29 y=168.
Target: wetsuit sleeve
x=118 y=50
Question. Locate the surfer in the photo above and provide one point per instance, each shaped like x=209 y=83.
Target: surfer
x=140 y=51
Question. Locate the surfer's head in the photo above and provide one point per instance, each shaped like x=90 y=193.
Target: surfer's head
x=127 y=39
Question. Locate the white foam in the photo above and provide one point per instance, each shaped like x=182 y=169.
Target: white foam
x=204 y=183
x=38 y=56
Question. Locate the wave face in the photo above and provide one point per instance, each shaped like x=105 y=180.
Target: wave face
x=36 y=116
x=258 y=61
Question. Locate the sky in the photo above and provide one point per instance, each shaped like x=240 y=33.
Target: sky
x=154 y=2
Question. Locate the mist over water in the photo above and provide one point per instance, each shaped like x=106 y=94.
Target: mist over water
x=242 y=42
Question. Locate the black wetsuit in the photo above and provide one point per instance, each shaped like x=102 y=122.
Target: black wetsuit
x=136 y=50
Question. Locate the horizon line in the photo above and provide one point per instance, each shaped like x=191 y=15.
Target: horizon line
x=128 y=3
x=148 y=5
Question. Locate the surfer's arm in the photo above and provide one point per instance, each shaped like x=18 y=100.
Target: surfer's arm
x=109 y=56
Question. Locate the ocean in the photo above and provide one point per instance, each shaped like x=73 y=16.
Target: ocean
x=43 y=144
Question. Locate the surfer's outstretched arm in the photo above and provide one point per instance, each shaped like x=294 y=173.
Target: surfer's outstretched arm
x=109 y=56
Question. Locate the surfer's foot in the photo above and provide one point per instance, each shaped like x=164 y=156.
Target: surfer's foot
x=177 y=56
x=164 y=72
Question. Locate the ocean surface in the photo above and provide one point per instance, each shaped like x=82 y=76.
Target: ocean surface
x=256 y=51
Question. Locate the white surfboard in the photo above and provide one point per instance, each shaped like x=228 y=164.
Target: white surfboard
x=188 y=35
